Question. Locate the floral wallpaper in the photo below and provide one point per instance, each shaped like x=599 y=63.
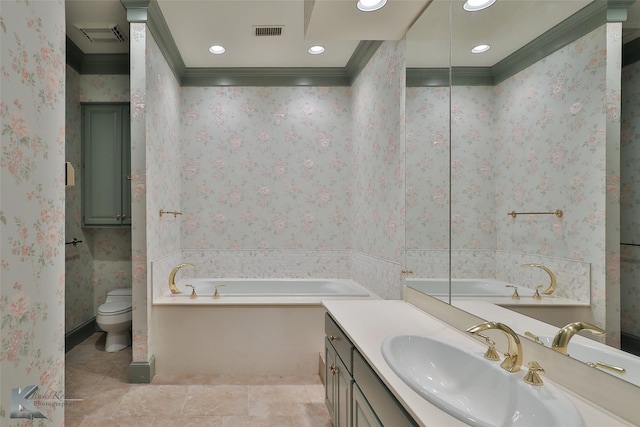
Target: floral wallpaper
x=32 y=203
x=377 y=172
x=266 y=167
x=103 y=260
x=629 y=201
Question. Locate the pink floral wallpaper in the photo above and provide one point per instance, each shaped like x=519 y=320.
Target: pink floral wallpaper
x=630 y=200
x=32 y=204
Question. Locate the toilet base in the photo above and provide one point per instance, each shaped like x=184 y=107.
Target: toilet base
x=117 y=341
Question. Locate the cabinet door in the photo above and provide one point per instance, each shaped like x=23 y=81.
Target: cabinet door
x=126 y=166
x=363 y=415
x=344 y=384
x=330 y=389
x=105 y=162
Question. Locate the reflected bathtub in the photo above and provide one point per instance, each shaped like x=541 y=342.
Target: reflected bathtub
x=469 y=288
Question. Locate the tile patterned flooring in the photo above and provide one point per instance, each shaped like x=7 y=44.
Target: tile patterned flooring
x=100 y=379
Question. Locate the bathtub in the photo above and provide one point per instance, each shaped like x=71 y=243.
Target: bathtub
x=256 y=327
x=480 y=288
x=272 y=288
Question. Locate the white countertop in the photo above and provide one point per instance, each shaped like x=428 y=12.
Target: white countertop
x=368 y=322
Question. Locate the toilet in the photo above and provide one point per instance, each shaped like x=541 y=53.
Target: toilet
x=114 y=317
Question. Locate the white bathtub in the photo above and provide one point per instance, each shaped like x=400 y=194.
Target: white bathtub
x=272 y=288
x=487 y=288
x=257 y=326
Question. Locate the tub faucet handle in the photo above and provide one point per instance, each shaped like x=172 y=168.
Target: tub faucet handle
x=193 y=291
x=216 y=295
x=536 y=295
x=515 y=291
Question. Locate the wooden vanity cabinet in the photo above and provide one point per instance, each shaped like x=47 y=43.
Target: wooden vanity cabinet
x=354 y=394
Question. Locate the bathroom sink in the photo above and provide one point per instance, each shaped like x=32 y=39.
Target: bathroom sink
x=597 y=355
x=458 y=380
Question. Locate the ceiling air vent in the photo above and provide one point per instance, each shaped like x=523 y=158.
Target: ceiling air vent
x=102 y=33
x=267 y=30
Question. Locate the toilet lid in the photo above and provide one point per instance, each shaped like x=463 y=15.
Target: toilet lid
x=114 y=308
x=120 y=292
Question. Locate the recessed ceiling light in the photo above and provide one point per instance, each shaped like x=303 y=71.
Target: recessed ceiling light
x=476 y=5
x=316 y=50
x=481 y=48
x=217 y=50
x=370 y=5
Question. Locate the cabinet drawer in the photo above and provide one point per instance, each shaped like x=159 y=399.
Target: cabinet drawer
x=384 y=404
x=340 y=342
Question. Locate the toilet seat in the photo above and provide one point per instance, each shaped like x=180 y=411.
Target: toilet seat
x=114 y=308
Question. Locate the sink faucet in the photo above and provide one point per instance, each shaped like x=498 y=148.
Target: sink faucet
x=513 y=357
x=560 y=342
x=172 y=277
x=552 y=277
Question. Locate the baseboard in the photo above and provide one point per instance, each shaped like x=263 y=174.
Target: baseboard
x=79 y=334
x=142 y=372
x=630 y=343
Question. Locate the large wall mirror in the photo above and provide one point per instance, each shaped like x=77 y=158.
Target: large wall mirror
x=518 y=184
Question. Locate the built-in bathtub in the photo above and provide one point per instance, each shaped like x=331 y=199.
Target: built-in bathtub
x=257 y=326
x=271 y=288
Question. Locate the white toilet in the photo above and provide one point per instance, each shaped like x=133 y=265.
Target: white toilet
x=114 y=317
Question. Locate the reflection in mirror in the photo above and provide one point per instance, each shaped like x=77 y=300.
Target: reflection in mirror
x=533 y=134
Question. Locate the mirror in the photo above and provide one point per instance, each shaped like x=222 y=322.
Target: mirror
x=529 y=134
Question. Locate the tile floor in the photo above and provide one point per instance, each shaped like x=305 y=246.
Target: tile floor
x=100 y=379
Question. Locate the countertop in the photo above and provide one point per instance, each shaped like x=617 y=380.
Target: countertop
x=368 y=322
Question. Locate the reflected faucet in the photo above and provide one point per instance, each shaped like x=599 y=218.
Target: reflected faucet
x=172 y=277
x=513 y=357
x=552 y=277
x=561 y=340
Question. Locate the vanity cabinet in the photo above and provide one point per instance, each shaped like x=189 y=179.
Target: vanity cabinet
x=106 y=165
x=354 y=394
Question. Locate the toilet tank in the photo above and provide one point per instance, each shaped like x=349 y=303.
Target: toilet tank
x=116 y=295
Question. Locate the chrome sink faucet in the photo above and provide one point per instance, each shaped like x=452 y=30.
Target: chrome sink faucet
x=560 y=342
x=172 y=277
x=513 y=357
x=552 y=277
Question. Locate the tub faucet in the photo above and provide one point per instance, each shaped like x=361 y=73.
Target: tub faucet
x=513 y=357
x=172 y=277
x=552 y=277
x=560 y=342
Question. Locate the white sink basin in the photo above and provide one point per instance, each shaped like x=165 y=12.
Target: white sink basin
x=461 y=382
x=600 y=356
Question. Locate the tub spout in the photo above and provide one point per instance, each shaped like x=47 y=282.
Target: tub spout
x=172 y=277
x=561 y=340
x=552 y=278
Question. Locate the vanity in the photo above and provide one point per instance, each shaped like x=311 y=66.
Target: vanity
x=363 y=390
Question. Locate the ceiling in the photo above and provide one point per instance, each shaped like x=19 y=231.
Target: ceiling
x=336 y=24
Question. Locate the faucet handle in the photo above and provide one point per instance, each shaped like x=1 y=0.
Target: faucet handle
x=532 y=377
x=216 y=295
x=491 y=353
x=193 y=291
x=537 y=294
x=515 y=291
